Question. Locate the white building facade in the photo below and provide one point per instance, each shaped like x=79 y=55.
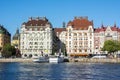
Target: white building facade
x=78 y=37
x=36 y=37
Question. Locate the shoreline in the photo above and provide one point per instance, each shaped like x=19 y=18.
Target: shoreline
x=96 y=60
x=71 y=60
x=15 y=60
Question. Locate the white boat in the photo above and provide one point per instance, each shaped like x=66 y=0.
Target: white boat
x=100 y=56
x=56 y=59
x=41 y=59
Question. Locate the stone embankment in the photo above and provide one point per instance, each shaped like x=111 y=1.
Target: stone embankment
x=92 y=60
x=15 y=60
x=81 y=60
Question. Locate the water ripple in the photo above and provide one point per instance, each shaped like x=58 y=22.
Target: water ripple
x=62 y=71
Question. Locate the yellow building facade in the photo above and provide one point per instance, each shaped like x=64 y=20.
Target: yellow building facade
x=5 y=37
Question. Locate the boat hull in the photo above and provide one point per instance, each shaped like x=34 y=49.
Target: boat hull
x=41 y=60
x=56 y=60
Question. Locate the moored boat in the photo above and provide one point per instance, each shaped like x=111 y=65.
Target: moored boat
x=56 y=59
x=41 y=59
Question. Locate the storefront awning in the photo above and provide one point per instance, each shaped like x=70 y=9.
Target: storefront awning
x=81 y=54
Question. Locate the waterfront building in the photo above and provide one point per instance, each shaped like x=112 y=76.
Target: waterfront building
x=5 y=37
x=60 y=33
x=16 y=39
x=78 y=36
x=105 y=33
x=36 y=37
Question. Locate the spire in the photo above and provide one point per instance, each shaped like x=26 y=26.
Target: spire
x=17 y=31
x=115 y=24
x=63 y=25
x=102 y=25
x=16 y=35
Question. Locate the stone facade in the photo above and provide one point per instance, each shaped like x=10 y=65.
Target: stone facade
x=36 y=37
x=105 y=33
x=78 y=36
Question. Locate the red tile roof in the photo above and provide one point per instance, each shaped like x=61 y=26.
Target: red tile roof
x=114 y=28
x=37 y=22
x=59 y=30
x=81 y=23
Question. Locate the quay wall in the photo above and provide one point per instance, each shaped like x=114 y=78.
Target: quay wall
x=92 y=60
x=81 y=60
x=15 y=60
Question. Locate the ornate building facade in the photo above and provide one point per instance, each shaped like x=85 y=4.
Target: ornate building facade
x=78 y=36
x=36 y=37
x=105 y=33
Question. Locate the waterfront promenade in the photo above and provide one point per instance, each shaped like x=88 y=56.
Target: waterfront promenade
x=81 y=60
x=15 y=60
x=97 y=60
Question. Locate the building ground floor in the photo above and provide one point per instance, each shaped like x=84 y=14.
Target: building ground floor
x=34 y=53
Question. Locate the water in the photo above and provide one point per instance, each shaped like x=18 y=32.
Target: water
x=62 y=71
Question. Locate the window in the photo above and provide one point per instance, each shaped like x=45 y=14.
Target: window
x=36 y=43
x=108 y=34
x=69 y=34
x=80 y=50
x=85 y=34
x=90 y=34
x=80 y=34
x=69 y=30
x=36 y=47
x=96 y=47
x=75 y=50
x=75 y=34
x=85 y=50
x=115 y=34
x=90 y=50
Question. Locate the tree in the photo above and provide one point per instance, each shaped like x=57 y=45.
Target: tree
x=111 y=46
x=8 y=51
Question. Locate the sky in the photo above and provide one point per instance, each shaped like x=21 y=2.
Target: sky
x=14 y=12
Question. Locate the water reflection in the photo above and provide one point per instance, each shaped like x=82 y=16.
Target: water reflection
x=62 y=71
x=8 y=71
